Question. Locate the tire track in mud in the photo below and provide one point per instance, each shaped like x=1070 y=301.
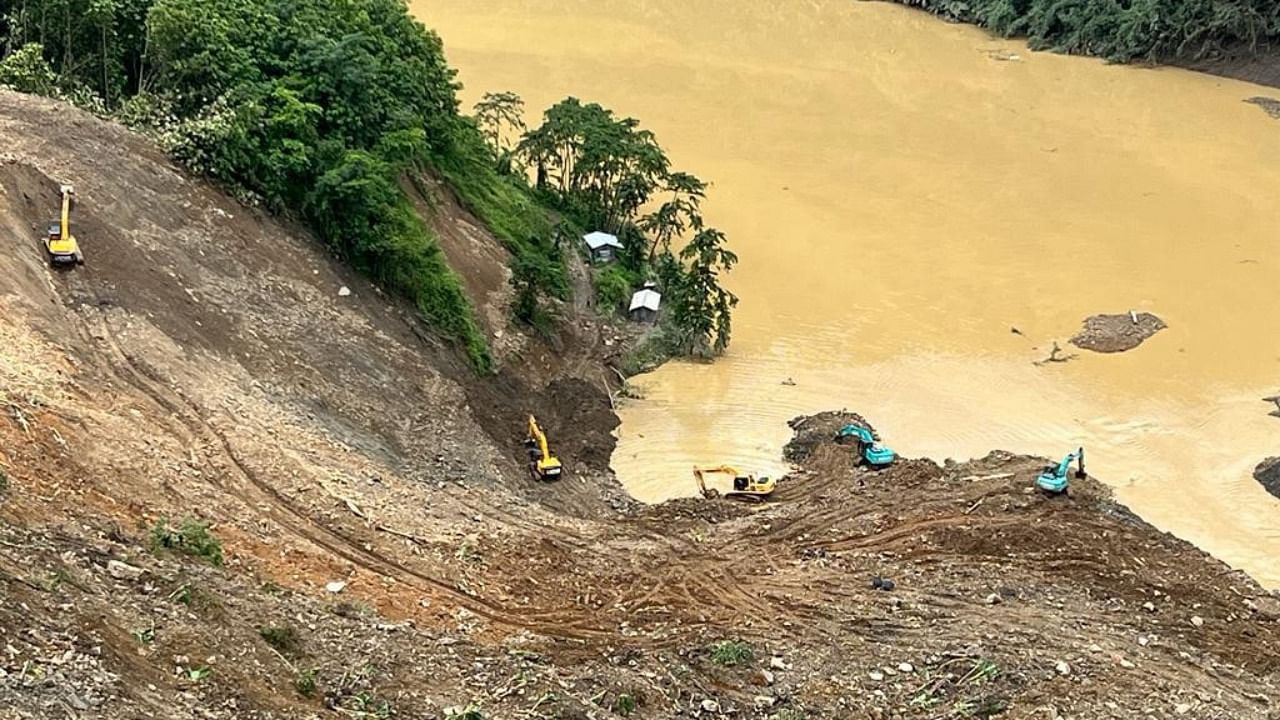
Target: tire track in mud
x=903 y=531
x=191 y=425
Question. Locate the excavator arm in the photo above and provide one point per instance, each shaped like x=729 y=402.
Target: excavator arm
x=546 y=466
x=1054 y=478
x=745 y=487
x=60 y=243
x=856 y=431
x=66 y=212
x=699 y=472
x=539 y=437
x=871 y=452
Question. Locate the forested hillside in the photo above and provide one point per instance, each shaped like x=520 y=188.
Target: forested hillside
x=320 y=110
x=1123 y=30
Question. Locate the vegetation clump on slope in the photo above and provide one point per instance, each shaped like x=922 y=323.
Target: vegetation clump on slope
x=601 y=171
x=1124 y=30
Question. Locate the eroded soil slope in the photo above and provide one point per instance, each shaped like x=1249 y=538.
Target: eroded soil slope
x=203 y=363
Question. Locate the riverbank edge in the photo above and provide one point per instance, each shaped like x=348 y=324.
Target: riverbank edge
x=1260 y=66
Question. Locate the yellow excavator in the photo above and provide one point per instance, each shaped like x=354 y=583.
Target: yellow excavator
x=60 y=243
x=542 y=464
x=745 y=487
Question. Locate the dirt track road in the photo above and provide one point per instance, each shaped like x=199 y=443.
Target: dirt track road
x=202 y=363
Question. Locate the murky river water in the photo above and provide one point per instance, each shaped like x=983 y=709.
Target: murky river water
x=902 y=193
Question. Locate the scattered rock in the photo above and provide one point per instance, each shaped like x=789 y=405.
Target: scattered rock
x=993 y=599
x=906 y=667
x=1095 y=648
x=344 y=291
x=876 y=675
x=710 y=706
x=778 y=663
x=1149 y=606
x=764 y=701
x=880 y=583
x=1117 y=333
x=1127 y=664
x=123 y=571
x=336 y=586
x=1197 y=621
x=1266 y=607
x=1182 y=708
x=1062 y=667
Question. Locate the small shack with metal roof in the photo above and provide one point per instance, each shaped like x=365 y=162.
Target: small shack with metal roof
x=603 y=246
x=645 y=304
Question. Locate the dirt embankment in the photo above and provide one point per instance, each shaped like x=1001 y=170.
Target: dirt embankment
x=1117 y=333
x=1251 y=65
x=385 y=551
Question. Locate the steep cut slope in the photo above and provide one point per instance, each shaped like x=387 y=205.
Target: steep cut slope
x=386 y=554
x=213 y=365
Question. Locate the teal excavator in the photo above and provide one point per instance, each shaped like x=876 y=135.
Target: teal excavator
x=870 y=452
x=1054 y=477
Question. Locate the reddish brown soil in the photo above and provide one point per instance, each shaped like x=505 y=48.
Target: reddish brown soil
x=203 y=364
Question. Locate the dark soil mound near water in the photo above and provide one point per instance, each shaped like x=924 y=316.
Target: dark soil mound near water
x=814 y=430
x=1268 y=473
x=1117 y=333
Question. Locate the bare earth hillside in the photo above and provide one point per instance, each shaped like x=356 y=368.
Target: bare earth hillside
x=387 y=555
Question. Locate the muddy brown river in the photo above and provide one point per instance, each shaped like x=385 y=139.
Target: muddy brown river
x=903 y=193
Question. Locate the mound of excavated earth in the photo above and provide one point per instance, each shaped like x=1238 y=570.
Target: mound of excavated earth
x=1117 y=333
x=1268 y=474
x=814 y=431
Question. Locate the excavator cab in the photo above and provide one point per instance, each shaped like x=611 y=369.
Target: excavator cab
x=59 y=243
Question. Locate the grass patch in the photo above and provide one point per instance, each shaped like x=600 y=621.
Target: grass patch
x=306 y=682
x=283 y=638
x=625 y=704
x=654 y=350
x=146 y=635
x=470 y=712
x=4 y=481
x=191 y=537
x=731 y=653
x=614 y=285
x=509 y=210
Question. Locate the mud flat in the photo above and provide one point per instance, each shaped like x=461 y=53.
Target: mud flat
x=1117 y=333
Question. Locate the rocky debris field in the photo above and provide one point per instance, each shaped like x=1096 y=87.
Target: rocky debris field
x=230 y=490
x=1117 y=333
